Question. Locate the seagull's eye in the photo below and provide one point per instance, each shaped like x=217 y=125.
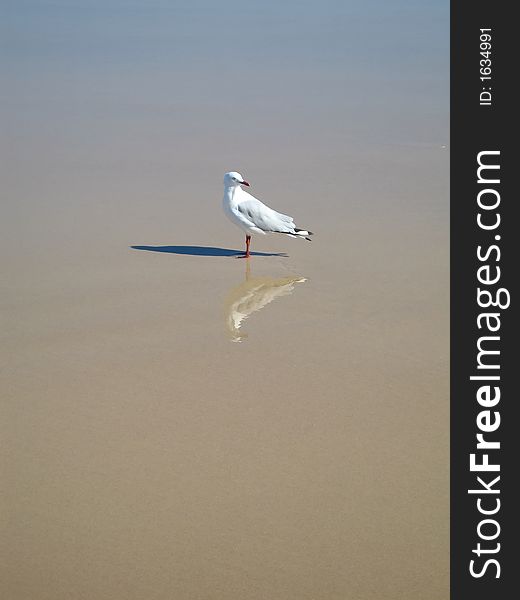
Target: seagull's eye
x=234 y=178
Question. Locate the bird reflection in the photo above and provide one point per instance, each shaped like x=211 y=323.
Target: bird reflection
x=251 y=296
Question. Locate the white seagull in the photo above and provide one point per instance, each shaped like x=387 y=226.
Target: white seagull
x=253 y=216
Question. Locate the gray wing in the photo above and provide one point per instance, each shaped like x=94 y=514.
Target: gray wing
x=265 y=218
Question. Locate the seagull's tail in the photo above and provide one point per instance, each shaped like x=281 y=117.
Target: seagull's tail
x=303 y=233
x=297 y=233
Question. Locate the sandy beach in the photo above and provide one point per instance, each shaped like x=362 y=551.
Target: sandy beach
x=181 y=423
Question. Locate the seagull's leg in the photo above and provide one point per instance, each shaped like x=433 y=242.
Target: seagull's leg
x=248 y=241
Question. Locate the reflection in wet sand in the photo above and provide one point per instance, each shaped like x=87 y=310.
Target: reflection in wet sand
x=251 y=296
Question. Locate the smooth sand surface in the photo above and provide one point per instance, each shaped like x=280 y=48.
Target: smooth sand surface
x=179 y=423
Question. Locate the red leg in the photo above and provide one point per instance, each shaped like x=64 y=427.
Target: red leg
x=248 y=242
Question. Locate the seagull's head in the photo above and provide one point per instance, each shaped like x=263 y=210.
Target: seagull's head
x=234 y=179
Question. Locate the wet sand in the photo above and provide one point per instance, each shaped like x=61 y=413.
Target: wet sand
x=181 y=423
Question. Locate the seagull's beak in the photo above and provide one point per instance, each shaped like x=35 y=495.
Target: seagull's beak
x=244 y=183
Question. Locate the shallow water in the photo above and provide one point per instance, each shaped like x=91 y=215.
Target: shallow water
x=182 y=423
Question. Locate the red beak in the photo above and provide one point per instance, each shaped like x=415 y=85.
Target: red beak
x=245 y=183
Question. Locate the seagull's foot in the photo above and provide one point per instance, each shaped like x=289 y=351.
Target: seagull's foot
x=243 y=256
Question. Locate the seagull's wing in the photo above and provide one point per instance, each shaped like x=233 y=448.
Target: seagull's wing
x=263 y=217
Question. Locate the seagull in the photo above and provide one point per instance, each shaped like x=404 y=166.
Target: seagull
x=253 y=216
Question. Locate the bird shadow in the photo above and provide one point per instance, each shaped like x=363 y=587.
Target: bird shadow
x=203 y=251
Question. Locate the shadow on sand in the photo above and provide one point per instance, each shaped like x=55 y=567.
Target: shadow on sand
x=203 y=251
